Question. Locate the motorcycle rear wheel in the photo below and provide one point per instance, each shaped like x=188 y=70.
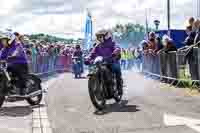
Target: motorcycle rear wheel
x=37 y=86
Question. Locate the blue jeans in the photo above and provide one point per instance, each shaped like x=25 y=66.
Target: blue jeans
x=82 y=65
x=116 y=68
x=77 y=68
x=123 y=64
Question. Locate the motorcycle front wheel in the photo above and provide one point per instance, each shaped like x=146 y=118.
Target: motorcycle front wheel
x=96 y=93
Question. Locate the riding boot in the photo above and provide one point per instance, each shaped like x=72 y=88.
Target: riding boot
x=110 y=91
x=119 y=85
x=22 y=91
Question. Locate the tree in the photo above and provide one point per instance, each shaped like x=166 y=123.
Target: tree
x=129 y=33
x=49 y=38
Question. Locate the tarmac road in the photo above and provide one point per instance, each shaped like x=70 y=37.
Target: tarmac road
x=147 y=107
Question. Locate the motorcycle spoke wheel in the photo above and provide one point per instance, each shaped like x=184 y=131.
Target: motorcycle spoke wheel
x=96 y=96
x=98 y=92
x=32 y=85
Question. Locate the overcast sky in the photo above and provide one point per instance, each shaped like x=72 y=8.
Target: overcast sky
x=67 y=17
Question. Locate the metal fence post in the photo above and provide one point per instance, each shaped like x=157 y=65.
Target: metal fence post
x=163 y=64
x=172 y=65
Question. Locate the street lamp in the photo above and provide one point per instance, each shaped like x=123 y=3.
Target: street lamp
x=157 y=23
x=168 y=16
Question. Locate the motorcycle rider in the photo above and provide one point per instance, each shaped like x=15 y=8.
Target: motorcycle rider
x=78 y=53
x=15 y=56
x=107 y=49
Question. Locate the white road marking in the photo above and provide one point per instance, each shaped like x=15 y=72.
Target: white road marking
x=173 y=120
x=195 y=127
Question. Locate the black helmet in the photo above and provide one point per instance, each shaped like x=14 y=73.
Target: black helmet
x=77 y=46
x=152 y=35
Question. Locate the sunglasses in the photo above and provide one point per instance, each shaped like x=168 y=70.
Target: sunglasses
x=100 y=36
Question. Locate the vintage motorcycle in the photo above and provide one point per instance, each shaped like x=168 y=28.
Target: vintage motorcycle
x=102 y=83
x=9 y=89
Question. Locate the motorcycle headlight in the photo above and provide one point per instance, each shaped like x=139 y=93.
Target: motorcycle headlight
x=99 y=59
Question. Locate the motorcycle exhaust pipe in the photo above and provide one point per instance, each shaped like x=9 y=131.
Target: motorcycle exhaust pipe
x=34 y=94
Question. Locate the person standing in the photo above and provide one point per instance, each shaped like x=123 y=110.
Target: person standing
x=78 y=54
x=190 y=32
x=197 y=29
x=123 y=58
x=129 y=58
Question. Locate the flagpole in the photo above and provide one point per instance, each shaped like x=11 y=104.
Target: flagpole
x=168 y=16
x=147 y=26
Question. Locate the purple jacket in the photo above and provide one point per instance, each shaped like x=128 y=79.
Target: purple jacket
x=105 y=50
x=16 y=51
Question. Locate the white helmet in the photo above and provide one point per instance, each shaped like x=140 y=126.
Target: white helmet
x=106 y=33
x=7 y=35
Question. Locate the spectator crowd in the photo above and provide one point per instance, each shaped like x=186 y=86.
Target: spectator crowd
x=156 y=46
x=44 y=56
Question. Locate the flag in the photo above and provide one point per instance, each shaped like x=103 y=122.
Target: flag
x=88 y=31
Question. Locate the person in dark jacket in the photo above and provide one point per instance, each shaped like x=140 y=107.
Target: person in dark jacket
x=159 y=44
x=168 y=45
x=190 y=32
x=197 y=29
x=16 y=58
x=79 y=54
x=197 y=38
x=191 y=36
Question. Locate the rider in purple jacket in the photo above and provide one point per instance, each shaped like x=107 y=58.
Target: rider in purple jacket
x=15 y=56
x=107 y=49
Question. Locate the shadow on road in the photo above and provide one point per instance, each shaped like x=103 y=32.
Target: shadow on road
x=118 y=107
x=83 y=77
x=18 y=111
